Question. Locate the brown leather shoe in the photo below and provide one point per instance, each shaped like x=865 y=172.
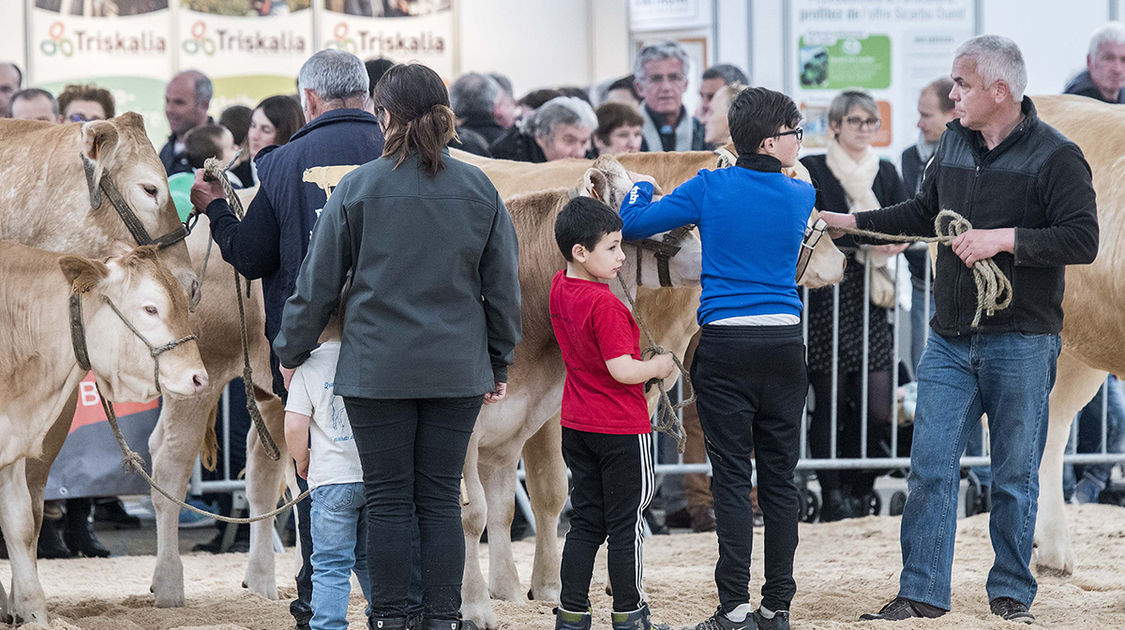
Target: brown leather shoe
x=702 y=518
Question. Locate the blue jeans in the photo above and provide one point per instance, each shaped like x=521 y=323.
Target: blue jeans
x=1090 y=436
x=1008 y=376
x=339 y=533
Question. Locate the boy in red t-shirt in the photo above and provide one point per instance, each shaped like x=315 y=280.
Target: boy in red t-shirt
x=607 y=434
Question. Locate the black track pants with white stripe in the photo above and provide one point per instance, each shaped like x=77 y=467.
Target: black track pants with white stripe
x=612 y=483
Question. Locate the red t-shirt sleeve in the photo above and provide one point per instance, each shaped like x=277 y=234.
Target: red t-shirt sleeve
x=613 y=330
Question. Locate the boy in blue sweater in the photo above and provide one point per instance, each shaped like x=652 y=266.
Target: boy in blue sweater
x=749 y=371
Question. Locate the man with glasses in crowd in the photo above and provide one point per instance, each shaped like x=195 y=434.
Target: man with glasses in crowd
x=660 y=75
x=1028 y=191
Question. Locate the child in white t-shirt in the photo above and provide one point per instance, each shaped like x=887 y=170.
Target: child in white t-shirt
x=325 y=453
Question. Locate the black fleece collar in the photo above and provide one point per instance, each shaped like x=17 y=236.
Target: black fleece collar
x=759 y=162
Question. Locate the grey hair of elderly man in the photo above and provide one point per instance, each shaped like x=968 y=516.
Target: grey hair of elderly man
x=332 y=79
x=659 y=52
x=998 y=59
x=474 y=95
x=561 y=110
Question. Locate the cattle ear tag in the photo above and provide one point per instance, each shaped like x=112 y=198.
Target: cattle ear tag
x=596 y=184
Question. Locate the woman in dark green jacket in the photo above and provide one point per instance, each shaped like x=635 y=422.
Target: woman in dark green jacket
x=430 y=324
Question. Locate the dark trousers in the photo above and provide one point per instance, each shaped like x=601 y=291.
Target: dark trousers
x=301 y=608
x=613 y=483
x=412 y=452
x=751 y=383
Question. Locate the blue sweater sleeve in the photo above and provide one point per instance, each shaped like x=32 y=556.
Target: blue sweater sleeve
x=643 y=217
x=252 y=246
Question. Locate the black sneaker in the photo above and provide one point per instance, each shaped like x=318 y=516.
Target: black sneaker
x=779 y=621
x=1009 y=609
x=901 y=608
x=720 y=621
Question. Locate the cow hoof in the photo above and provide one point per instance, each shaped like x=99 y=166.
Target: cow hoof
x=545 y=594
x=244 y=585
x=170 y=601
x=482 y=615
x=1043 y=570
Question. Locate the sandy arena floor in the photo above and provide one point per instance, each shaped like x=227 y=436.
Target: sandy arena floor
x=843 y=569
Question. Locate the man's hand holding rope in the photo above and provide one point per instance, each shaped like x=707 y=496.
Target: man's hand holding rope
x=204 y=191
x=971 y=247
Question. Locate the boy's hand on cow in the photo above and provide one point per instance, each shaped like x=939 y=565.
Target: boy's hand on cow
x=664 y=365
x=837 y=220
x=641 y=177
x=203 y=192
x=497 y=394
x=977 y=245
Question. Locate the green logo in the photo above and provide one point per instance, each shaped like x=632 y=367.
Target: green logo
x=198 y=41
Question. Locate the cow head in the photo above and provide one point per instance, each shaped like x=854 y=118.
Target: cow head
x=149 y=298
x=826 y=265
x=608 y=181
x=119 y=149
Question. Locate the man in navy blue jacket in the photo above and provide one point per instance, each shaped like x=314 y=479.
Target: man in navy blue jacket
x=296 y=181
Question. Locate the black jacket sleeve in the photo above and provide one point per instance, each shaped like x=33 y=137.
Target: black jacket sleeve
x=500 y=291
x=319 y=282
x=1067 y=193
x=252 y=246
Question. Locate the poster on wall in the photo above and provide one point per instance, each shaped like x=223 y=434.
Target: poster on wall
x=399 y=30
x=120 y=45
x=669 y=15
x=250 y=49
x=889 y=48
x=89 y=464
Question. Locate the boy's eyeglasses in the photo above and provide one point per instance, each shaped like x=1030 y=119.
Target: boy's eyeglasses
x=860 y=123
x=799 y=132
x=82 y=118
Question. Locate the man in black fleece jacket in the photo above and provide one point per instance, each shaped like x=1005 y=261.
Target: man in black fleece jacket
x=1027 y=191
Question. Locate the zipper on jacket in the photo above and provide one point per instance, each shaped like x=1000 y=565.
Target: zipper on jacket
x=968 y=270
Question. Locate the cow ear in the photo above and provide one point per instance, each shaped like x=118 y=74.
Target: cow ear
x=99 y=142
x=83 y=274
x=595 y=184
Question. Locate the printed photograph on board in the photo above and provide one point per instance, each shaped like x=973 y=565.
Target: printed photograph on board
x=247 y=8
x=101 y=8
x=387 y=8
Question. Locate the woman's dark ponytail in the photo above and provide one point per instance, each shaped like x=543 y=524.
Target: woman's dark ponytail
x=420 y=118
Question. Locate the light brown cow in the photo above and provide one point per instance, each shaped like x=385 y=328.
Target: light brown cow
x=528 y=419
x=39 y=369
x=1093 y=334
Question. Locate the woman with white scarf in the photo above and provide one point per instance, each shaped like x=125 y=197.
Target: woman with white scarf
x=850 y=177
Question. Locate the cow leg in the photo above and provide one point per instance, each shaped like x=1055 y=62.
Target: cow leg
x=1075 y=385
x=498 y=475
x=263 y=487
x=475 y=604
x=38 y=468
x=547 y=489
x=174 y=445
x=26 y=603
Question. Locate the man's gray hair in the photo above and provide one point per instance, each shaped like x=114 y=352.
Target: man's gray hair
x=659 y=52
x=1108 y=33
x=201 y=85
x=474 y=95
x=846 y=100
x=727 y=72
x=333 y=75
x=998 y=59
x=561 y=110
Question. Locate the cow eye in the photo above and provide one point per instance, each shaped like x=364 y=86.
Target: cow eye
x=150 y=190
x=150 y=310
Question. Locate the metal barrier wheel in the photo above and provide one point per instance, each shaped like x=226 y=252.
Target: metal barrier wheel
x=810 y=505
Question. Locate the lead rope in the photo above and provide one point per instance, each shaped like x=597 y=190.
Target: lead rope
x=213 y=170
x=131 y=460
x=667 y=421
x=994 y=289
